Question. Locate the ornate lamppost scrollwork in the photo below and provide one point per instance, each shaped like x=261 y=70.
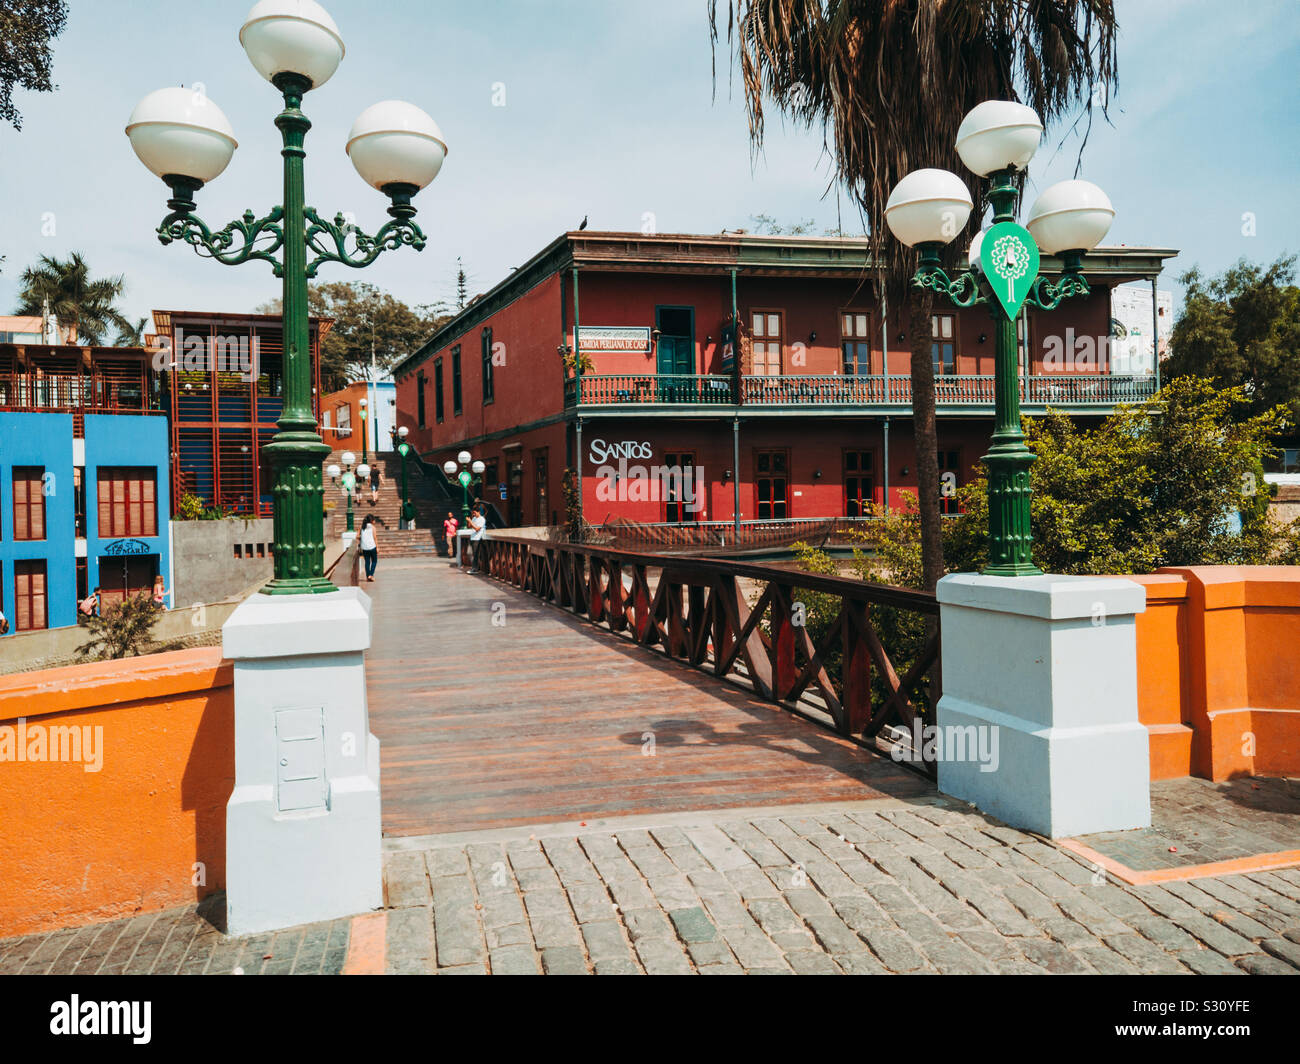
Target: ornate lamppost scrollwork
x=928 y=208
x=184 y=138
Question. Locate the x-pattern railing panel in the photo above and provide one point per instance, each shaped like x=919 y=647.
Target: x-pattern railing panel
x=697 y=612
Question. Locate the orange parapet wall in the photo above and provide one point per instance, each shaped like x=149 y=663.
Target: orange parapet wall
x=1218 y=671
x=114 y=779
x=1164 y=680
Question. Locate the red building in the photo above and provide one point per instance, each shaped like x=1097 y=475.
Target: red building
x=805 y=414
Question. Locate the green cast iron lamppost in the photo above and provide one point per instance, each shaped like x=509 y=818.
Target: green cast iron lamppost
x=363 y=427
x=928 y=208
x=184 y=138
x=467 y=476
x=348 y=480
x=404 y=449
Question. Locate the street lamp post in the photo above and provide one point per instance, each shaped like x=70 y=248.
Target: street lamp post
x=362 y=404
x=408 y=507
x=470 y=471
x=928 y=208
x=347 y=479
x=185 y=139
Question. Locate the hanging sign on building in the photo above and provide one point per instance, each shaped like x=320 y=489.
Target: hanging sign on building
x=603 y=338
x=127 y=546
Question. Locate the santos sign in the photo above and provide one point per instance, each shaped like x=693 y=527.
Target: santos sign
x=601 y=452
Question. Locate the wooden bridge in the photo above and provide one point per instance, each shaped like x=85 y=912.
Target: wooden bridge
x=500 y=705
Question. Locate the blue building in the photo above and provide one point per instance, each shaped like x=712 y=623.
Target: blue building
x=84 y=480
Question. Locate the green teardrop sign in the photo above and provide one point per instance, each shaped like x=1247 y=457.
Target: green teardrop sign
x=1009 y=259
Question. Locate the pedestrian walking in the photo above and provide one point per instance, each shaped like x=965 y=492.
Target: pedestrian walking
x=159 y=593
x=449 y=527
x=374 y=484
x=369 y=546
x=479 y=524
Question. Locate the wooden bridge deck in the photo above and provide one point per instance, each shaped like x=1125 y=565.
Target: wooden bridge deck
x=494 y=709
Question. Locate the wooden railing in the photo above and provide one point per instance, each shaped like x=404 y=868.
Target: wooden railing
x=814 y=644
x=804 y=390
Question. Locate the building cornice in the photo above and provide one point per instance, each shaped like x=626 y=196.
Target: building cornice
x=747 y=254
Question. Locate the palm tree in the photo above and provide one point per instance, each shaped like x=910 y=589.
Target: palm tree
x=888 y=82
x=85 y=304
x=129 y=335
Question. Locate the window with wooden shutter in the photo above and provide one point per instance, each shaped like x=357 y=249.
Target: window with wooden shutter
x=128 y=502
x=29 y=502
x=855 y=343
x=859 y=483
x=30 y=611
x=767 y=341
x=772 y=485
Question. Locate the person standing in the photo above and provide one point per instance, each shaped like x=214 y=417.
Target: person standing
x=479 y=524
x=449 y=527
x=369 y=546
x=159 y=593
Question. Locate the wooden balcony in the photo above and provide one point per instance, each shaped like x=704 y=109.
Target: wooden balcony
x=700 y=394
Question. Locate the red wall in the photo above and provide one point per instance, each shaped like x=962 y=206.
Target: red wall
x=813 y=445
x=528 y=386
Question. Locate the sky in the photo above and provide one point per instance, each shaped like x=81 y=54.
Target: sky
x=610 y=112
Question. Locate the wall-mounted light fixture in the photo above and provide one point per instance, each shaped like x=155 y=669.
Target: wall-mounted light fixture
x=812 y=337
x=654 y=335
x=903 y=472
x=983 y=337
x=726 y=475
x=902 y=337
x=817 y=474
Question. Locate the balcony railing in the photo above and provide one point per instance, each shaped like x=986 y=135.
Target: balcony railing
x=797 y=390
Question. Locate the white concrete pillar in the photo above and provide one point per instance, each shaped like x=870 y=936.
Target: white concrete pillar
x=1044 y=669
x=303 y=833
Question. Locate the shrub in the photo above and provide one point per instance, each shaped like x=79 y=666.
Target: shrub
x=122 y=630
x=190 y=508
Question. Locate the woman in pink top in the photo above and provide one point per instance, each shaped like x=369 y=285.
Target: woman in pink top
x=449 y=526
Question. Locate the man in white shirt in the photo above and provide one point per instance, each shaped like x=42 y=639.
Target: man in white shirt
x=478 y=525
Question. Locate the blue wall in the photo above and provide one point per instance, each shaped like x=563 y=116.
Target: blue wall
x=37 y=439
x=127 y=440
x=40 y=440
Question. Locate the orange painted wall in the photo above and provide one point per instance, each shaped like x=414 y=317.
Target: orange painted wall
x=1164 y=677
x=1218 y=675
x=78 y=846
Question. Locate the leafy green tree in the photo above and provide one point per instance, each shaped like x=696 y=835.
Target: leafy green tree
x=1177 y=480
x=1242 y=328
x=87 y=304
x=888 y=84
x=26 y=60
x=365 y=319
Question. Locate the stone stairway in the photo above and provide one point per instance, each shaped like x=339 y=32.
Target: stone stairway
x=425 y=538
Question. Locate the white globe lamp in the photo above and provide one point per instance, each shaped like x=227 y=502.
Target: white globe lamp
x=928 y=207
x=292 y=37
x=1070 y=216
x=179 y=132
x=998 y=135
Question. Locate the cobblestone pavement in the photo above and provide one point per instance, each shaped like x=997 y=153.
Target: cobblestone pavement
x=858 y=887
x=182 y=941
x=1195 y=821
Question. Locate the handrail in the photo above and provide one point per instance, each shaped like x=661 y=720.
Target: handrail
x=794 y=389
x=923 y=601
x=698 y=613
